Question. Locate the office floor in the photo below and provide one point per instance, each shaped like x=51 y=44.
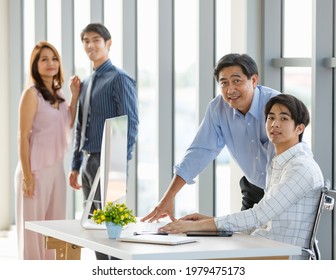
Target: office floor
x=8 y=247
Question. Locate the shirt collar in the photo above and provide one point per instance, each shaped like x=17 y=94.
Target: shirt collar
x=284 y=157
x=254 y=109
x=104 y=67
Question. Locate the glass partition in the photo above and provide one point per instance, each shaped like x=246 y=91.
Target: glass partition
x=186 y=95
x=223 y=167
x=147 y=187
x=54 y=32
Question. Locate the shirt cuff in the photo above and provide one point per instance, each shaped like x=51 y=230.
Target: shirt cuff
x=180 y=172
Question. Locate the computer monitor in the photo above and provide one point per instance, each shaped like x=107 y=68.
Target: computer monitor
x=112 y=173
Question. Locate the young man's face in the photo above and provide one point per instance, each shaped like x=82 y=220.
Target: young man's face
x=96 y=48
x=281 y=129
x=237 y=90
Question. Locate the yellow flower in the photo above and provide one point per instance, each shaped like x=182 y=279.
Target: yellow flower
x=117 y=213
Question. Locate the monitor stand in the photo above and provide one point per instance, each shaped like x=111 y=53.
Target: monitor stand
x=86 y=221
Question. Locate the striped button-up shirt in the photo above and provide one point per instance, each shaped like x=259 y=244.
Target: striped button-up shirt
x=287 y=211
x=113 y=94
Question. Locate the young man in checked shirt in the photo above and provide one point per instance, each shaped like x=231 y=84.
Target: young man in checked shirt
x=287 y=211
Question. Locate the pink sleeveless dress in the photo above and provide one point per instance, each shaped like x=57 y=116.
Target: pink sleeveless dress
x=50 y=135
x=49 y=140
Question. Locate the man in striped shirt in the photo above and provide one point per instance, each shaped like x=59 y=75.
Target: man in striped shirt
x=111 y=93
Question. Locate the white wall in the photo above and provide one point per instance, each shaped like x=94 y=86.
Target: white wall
x=4 y=118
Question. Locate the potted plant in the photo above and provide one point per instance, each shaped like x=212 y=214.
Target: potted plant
x=115 y=216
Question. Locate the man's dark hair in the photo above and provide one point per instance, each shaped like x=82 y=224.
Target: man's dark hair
x=298 y=110
x=244 y=61
x=97 y=28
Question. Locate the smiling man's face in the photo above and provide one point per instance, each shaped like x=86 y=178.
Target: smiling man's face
x=237 y=90
x=96 y=48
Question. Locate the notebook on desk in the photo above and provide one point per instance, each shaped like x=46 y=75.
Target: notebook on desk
x=158 y=239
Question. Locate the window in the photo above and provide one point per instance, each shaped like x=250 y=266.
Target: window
x=185 y=118
x=54 y=33
x=81 y=19
x=113 y=22
x=223 y=167
x=297 y=38
x=297 y=30
x=147 y=196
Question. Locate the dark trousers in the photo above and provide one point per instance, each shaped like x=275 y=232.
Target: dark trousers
x=90 y=166
x=251 y=193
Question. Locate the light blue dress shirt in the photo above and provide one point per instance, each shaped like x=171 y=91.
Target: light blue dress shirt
x=244 y=136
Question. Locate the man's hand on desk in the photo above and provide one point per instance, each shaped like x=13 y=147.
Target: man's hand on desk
x=162 y=210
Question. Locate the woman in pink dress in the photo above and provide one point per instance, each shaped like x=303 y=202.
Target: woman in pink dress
x=45 y=122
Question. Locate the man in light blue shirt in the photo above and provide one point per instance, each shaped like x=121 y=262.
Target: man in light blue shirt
x=234 y=119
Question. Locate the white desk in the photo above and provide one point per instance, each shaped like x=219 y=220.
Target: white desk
x=239 y=246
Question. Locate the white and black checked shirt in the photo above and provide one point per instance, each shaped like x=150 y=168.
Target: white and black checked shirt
x=287 y=211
